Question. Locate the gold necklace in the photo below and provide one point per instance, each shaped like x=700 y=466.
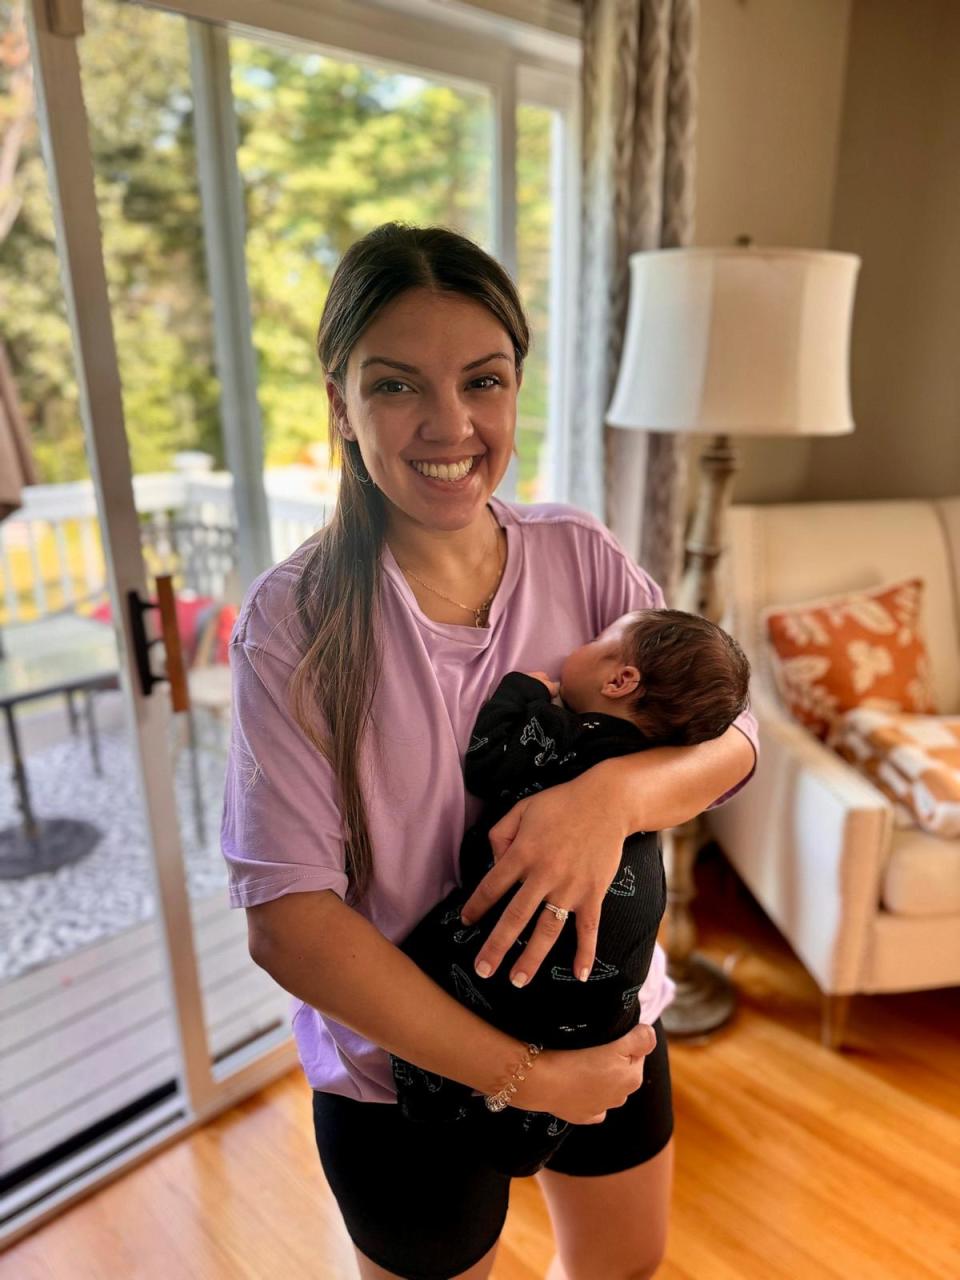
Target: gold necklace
x=479 y=614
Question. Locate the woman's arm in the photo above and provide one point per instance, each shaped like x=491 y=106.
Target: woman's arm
x=666 y=786
x=329 y=956
x=564 y=844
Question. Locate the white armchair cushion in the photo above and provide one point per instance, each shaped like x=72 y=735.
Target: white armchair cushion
x=922 y=875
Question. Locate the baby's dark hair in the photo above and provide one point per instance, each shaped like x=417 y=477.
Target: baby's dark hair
x=694 y=677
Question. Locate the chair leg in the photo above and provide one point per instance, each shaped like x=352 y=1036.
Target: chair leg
x=72 y=712
x=92 y=732
x=195 y=777
x=834 y=1011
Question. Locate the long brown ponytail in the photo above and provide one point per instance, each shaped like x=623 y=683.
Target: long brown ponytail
x=338 y=591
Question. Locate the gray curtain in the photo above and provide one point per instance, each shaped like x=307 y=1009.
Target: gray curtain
x=639 y=71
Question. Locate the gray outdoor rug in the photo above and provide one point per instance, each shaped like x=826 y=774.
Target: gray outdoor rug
x=45 y=917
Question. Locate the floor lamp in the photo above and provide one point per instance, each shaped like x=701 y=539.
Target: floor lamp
x=725 y=342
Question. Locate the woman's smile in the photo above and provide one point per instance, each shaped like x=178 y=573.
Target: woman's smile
x=449 y=475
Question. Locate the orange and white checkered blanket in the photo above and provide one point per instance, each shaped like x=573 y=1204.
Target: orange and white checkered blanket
x=915 y=760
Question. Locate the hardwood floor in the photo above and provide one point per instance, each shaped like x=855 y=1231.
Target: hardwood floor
x=792 y=1161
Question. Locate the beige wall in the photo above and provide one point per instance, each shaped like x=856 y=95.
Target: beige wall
x=836 y=123
x=897 y=204
x=771 y=76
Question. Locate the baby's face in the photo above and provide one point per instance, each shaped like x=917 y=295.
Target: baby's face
x=587 y=670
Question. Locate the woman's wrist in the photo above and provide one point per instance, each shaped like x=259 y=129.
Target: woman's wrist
x=505 y=1095
x=607 y=790
x=535 y=1091
x=665 y=786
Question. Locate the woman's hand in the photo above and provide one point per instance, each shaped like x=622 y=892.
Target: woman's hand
x=580 y=1085
x=565 y=845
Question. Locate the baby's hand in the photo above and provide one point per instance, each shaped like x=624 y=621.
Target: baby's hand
x=552 y=685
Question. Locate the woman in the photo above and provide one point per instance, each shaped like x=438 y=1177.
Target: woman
x=359 y=664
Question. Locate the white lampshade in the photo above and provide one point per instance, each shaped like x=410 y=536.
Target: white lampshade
x=738 y=341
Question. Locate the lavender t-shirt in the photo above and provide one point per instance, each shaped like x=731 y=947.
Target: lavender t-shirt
x=565 y=579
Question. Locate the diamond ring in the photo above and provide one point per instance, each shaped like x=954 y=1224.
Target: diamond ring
x=560 y=912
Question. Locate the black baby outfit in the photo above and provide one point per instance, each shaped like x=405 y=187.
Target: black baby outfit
x=522 y=743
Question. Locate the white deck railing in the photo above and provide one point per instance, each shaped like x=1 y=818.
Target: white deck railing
x=51 y=556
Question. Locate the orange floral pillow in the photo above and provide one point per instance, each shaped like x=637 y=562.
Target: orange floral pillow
x=859 y=650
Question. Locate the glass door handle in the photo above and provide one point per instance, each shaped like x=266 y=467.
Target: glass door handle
x=169 y=637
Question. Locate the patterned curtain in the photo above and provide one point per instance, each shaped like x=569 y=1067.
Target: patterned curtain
x=639 y=68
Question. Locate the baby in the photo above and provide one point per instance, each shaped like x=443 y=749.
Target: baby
x=656 y=677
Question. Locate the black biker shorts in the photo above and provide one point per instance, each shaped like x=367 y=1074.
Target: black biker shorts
x=419 y=1203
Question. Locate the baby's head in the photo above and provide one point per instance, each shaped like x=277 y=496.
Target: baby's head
x=676 y=676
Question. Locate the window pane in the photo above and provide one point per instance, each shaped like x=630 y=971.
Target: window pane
x=328 y=150
x=536 y=129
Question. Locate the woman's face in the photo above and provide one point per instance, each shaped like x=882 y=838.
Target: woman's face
x=431 y=381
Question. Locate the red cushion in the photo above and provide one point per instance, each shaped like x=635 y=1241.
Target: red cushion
x=190 y=609
x=225 y=621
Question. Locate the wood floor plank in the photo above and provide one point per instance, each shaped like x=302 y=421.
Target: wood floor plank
x=793 y=1162
x=825 y=1207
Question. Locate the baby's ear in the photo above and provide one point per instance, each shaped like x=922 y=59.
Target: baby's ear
x=624 y=681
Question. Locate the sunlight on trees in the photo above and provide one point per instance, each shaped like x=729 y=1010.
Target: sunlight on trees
x=328 y=150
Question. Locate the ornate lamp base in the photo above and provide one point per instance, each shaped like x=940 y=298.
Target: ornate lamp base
x=705 y=1000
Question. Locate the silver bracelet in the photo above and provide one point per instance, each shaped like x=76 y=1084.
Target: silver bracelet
x=501 y=1099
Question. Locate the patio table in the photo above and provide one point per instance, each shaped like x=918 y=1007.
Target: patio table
x=63 y=654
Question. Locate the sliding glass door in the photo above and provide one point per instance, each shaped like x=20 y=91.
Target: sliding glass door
x=206 y=175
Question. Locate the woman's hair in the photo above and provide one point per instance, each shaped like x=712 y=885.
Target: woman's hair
x=338 y=591
x=694 y=677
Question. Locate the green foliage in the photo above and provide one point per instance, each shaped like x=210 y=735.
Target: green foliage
x=328 y=150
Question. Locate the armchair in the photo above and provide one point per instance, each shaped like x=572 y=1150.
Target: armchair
x=866 y=906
